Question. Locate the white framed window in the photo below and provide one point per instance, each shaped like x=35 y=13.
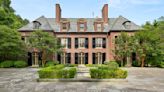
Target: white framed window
x=81 y=42
x=99 y=42
x=64 y=42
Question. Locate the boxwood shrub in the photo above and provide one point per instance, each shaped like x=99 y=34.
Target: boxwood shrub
x=7 y=64
x=107 y=73
x=20 y=64
x=57 y=72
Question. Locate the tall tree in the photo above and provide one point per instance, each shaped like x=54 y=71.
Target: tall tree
x=44 y=42
x=8 y=17
x=123 y=48
x=11 y=45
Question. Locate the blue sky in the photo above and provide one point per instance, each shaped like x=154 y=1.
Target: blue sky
x=138 y=11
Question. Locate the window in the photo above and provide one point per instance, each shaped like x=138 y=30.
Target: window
x=36 y=25
x=98 y=58
x=65 y=58
x=99 y=42
x=64 y=42
x=82 y=26
x=81 y=58
x=64 y=26
x=99 y=28
x=81 y=42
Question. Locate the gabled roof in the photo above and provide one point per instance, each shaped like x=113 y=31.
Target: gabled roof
x=49 y=24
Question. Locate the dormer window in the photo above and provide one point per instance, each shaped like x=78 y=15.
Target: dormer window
x=99 y=28
x=98 y=25
x=36 y=25
x=65 y=25
x=127 y=24
x=82 y=27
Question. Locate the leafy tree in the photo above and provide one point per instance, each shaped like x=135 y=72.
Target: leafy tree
x=11 y=45
x=123 y=48
x=149 y=43
x=7 y=16
x=44 y=42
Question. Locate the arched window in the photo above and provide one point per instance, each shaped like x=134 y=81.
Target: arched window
x=36 y=25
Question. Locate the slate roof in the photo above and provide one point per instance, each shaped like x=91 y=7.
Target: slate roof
x=115 y=24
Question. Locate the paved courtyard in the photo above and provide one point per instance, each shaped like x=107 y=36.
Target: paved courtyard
x=139 y=80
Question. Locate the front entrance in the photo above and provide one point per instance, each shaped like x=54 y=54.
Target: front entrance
x=81 y=58
x=29 y=59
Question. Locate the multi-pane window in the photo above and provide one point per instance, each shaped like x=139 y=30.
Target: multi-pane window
x=99 y=42
x=66 y=42
x=81 y=42
x=99 y=28
x=98 y=58
x=81 y=58
x=64 y=58
x=82 y=26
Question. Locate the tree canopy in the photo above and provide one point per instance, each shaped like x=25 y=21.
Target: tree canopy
x=11 y=45
x=45 y=43
x=8 y=16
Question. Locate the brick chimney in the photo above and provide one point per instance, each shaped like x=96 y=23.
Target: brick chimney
x=105 y=13
x=58 y=13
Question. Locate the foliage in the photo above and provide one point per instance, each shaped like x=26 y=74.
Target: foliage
x=44 y=42
x=121 y=73
x=11 y=45
x=106 y=74
x=20 y=64
x=71 y=65
x=8 y=16
x=92 y=65
x=112 y=64
x=7 y=64
x=123 y=47
x=136 y=63
x=56 y=72
x=51 y=63
x=149 y=44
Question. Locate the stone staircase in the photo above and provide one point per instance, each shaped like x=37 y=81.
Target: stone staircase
x=83 y=72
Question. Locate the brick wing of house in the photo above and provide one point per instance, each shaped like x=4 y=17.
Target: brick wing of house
x=85 y=40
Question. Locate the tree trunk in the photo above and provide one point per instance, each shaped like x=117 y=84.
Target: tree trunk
x=43 y=57
x=142 y=61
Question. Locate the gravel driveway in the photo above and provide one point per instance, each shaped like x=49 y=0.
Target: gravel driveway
x=139 y=80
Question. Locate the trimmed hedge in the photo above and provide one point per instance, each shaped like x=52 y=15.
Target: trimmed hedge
x=20 y=64
x=7 y=64
x=57 y=72
x=103 y=73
